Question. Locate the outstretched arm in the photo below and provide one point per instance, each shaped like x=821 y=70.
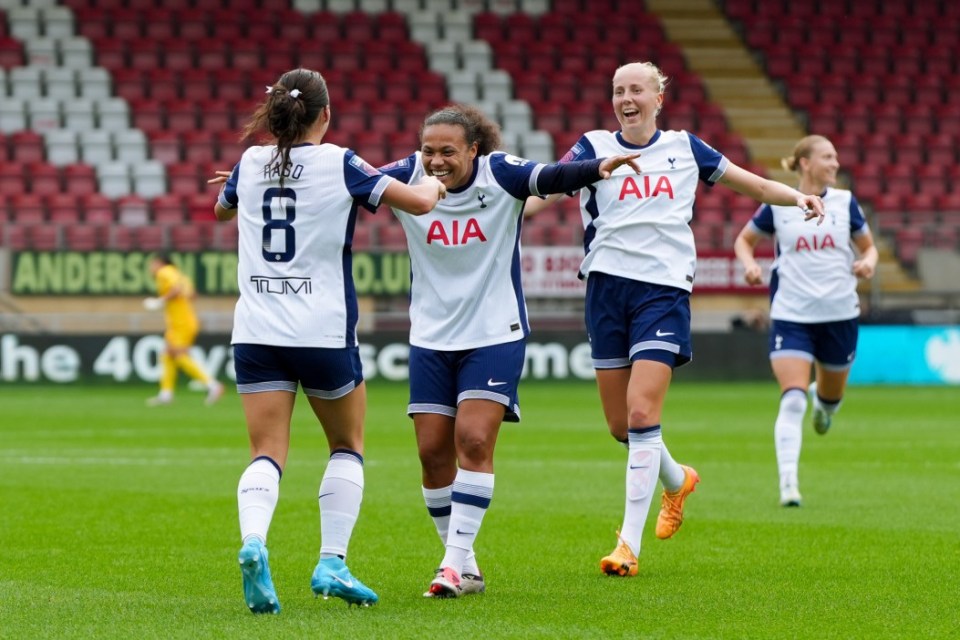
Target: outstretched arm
x=771 y=192
x=565 y=177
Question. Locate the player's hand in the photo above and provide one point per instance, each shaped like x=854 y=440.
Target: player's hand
x=442 y=188
x=864 y=268
x=221 y=177
x=152 y=304
x=753 y=274
x=812 y=207
x=608 y=165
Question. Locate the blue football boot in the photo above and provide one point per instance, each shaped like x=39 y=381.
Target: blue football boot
x=333 y=578
x=258 y=591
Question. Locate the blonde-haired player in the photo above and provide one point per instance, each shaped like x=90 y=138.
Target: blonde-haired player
x=814 y=306
x=175 y=295
x=640 y=265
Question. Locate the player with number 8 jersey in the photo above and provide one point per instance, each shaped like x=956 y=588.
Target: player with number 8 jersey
x=296 y=203
x=294 y=271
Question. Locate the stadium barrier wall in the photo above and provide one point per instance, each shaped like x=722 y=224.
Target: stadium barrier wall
x=921 y=355
x=548 y=272
x=118 y=359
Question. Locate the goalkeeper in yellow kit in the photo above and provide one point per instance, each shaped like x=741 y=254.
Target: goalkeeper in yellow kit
x=175 y=296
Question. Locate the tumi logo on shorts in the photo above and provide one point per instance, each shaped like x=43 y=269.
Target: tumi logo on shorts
x=453 y=235
x=282 y=286
x=643 y=190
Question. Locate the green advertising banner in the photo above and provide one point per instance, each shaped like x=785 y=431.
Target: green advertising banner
x=113 y=273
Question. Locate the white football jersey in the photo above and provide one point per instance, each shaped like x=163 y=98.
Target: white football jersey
x=295 y=270
x=638 y=226
x=465 y=291
x=812 y=276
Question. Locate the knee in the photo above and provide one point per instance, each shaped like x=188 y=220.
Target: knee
x=433 y=459
x=794 y=401
x=475 y=446
x=642 y=415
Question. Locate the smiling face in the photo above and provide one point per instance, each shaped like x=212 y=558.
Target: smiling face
x=821 y=166
x=636 y=100
x=447 y=155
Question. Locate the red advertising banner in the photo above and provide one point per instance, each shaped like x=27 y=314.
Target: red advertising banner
x=551 y=272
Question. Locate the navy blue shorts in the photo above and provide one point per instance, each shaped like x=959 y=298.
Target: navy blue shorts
x=832 y=344
x=628 y=320
x=323 y=373
x=440 y=380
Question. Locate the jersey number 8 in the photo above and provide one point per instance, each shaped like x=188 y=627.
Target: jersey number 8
x=287 y=199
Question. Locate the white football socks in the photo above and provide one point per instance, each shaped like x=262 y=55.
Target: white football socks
x=788 y=435
x=438 y=505
x=257 y=495
x=672 y=474
x=341 y=492
x=470 y=497
x=643 y=469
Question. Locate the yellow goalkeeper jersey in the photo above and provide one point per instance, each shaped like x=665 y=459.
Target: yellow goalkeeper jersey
x=179 y=313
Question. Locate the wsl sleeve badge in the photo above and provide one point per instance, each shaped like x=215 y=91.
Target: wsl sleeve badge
x=361 y=165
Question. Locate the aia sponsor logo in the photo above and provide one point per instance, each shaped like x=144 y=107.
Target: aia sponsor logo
x=814 y=243
x=643 y=187
x=455 y=233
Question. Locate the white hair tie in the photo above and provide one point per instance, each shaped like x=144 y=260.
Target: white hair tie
x=269 y=89
x=295 y=93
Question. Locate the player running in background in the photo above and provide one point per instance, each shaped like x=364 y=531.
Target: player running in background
x=640 y=265
x=296 y=201
x=814 y=306
x=175 y=296
x=468 y=316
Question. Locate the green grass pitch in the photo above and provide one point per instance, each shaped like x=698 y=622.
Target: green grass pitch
x=119 y=521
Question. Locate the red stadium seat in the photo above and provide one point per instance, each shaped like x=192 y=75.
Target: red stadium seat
x=363 y=238
x=97 y=209
x=85 y=237
x=148 y=115
x=167 y=209
x=80 y=179
x=200 y=207
x=225 y=236
x=165 y=146
x=43 y=179
x=181 y=115
x=26 y=209
x=178 y=54
x=909 y=241
x=63 y=209
x=192 y=237
x=129 y=84
x=392 y=236
x=185 y=178
x=26 y=147
x=229 y=148
x=159 y=24
x=14 y=237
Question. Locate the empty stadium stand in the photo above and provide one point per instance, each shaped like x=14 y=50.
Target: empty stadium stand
x=114 y=112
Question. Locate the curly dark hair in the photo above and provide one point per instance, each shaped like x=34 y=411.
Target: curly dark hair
x=477 y=127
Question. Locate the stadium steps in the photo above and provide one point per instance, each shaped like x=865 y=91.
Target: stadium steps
x=891 y=276
x=751 y=102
